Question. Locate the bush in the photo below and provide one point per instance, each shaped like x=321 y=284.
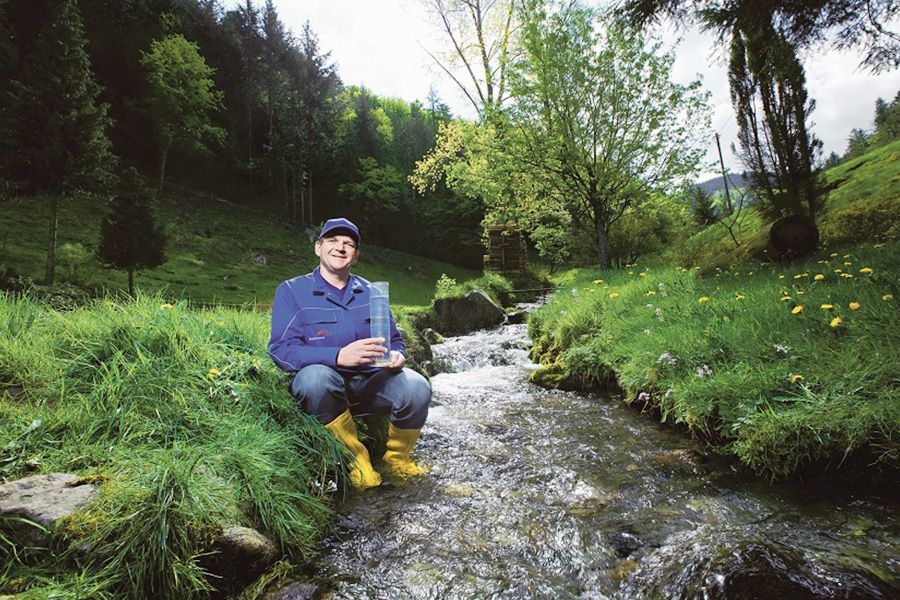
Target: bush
x=862 y=221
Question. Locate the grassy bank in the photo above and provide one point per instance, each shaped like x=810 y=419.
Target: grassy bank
x=184 y=421
x=777 y=365
x=214 y=252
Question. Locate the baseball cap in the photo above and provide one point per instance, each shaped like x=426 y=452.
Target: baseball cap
x=340 y=225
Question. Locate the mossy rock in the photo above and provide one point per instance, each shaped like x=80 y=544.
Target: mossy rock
x=555 y=376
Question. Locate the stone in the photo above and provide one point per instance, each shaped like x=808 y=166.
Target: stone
x=474 y=311
x=554 y=376
x=431 y=336
x=517 y=317
x=261 y=259
x=241 y=555
x=625 y=543
x=44 y=500
x=295 y=590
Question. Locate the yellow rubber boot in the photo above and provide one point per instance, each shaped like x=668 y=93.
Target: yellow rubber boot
x=362 y=475
x=400 y=444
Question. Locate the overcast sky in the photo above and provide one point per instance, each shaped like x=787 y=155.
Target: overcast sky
x=379 y=44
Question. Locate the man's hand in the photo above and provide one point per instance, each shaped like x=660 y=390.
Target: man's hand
x=361 y=352
x=397 y=362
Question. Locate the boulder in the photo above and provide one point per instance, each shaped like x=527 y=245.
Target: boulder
x=44 y=500
x=241 y=555
x=517 y=317
x=431 y=336
x=474 y=311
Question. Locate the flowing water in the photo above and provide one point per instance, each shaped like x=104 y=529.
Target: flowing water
x=547 y=494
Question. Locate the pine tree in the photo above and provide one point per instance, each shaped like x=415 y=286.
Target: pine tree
x=52 y=127
x=129 y=237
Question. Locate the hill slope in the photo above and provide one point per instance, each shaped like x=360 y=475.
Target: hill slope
x=217 y=252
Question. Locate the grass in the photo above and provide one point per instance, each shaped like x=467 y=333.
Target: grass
x=748 y=359
x=184 y=421
x=212 y=252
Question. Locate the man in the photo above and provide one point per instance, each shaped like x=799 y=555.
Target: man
x=320 y=332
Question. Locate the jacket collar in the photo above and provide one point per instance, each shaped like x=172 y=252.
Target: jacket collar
x=355 y=286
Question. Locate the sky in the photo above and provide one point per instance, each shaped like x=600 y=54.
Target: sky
x=381 y=44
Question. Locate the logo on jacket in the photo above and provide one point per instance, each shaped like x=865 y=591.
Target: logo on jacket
x=320 y=335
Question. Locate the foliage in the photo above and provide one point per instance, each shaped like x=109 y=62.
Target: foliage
x=445 y=287
x=379 y=191
x=701 y=203
x=183 y=419
x=778 y=366
x=843 y=23
x=648 y=230
x=73 y=257
x=496 y=286
x=599 y=119
x=181 y=96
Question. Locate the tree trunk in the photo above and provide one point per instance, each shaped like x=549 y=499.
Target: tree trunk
x=162 y=170
x=602 y=245
x=787 y=238
x=131 y=282
x=309 y=199
x=51 y=242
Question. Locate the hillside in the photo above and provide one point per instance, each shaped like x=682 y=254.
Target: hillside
x=218 y=252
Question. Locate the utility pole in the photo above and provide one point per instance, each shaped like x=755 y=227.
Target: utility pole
x=724 y=177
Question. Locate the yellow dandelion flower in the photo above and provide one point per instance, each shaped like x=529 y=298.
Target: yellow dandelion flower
x=827 y=306
x=631 y=272
x=822 y=262
x=781 y=277
x=785 y=298
x=642 y=274
x=798 y=276
x=213 y=373
x=796 y=378
x=836 y=321
x=703 y=299
x=650 y=293
x=838 y=271
x=847 y=275
x=834 y=255
x=847 y=255
x=866 y=270
x=800 y=292
x=819 y=277
x=598 y=281
x=887 y=297
x=854 y=305
x=797 y=309
x=166 y=306
x=740 y=297
x=847 y=263
x=614 y=295
x=750 y=273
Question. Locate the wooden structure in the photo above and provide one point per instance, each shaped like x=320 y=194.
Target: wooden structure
x=506 y=250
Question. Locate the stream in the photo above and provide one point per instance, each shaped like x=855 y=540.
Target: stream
x=546 y=494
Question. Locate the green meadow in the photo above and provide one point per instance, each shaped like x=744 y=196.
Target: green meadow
x=782 y=366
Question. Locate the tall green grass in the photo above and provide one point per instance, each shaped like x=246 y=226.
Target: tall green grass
x=184 y=422
x=777 y=365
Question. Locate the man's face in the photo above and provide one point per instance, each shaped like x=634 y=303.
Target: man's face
x=337 y=252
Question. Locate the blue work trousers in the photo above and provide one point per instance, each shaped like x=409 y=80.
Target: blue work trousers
x=324 y=393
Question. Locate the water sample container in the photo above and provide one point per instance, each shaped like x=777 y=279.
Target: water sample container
x=380 y=315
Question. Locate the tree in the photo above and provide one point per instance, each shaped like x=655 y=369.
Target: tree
x=887 y=121
x=857 y=144
x=52 y=127
x=843 y=23
x=833 y=160
x=701 y=203
x=129 y=237
x=181 y=97
x=481 y=36
x=379 y=190
x=598 y=119
x=768 y=92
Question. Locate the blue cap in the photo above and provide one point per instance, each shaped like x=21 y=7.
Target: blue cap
x=341 y=225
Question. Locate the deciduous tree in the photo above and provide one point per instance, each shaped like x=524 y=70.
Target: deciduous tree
x=181 y=97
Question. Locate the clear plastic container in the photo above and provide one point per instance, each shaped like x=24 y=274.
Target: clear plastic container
x=380 y=315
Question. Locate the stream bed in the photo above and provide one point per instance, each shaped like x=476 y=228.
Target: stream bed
x=546 y=494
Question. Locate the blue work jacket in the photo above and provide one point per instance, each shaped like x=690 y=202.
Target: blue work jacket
x=312 y=321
